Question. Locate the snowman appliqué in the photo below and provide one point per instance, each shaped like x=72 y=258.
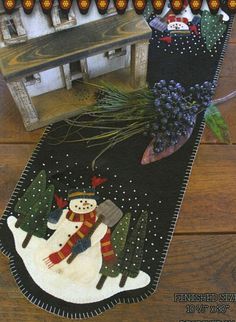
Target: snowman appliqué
x=71 y=229
x=172 y=26
x=183 y=23
x=81 y=228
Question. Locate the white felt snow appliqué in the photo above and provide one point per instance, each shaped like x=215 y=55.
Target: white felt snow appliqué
x=80 y=286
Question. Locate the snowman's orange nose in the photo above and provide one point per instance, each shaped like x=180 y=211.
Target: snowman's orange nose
x=85 y=203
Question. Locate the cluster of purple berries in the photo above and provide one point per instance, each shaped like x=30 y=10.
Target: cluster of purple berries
x=176 y=110
x=202 y=94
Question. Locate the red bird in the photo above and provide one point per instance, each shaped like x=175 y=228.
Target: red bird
x=194 y=29
x=61 y=203
x=167 y=39
x=97 y=181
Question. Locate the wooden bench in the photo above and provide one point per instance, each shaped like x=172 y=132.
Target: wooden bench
x=43 y=53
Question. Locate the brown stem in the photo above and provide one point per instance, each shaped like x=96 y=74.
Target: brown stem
x=224 y=98
x=123 y=279
x=26 y=240
x=71 y=258
x=19 y=220
x=167 y=13
x=101 y=282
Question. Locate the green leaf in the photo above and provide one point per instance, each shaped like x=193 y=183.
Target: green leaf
x=217 y=124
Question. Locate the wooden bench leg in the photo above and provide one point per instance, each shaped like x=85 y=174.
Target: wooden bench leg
x=84 y=69
x=24 y=103
x=139 y=59
x=67 y=76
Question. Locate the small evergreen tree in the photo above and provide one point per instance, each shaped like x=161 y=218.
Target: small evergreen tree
x=212 y=28
x=130 y=261
x=148 y=10
x=118 y=240
x=35 y=223
x=33 y=193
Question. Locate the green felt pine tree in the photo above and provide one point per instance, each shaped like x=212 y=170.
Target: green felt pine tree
x=131 y=258
x=212 y=28
x=35 y=222
x=148 y=10
x=118 y=240
x=33 y=193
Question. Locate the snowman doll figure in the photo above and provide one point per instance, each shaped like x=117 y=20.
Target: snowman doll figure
x=178 y=26
x=71 y=228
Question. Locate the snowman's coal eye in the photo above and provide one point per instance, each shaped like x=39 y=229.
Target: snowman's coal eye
x=76 y=206
x=81 y=200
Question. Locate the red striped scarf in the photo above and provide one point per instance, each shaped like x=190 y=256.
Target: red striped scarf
x=88 y=221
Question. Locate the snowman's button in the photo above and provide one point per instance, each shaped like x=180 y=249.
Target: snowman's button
x=76 y=227
x=69 y=235
x=60 y=245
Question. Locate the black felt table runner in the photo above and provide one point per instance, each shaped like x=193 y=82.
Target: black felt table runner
x=155 y=190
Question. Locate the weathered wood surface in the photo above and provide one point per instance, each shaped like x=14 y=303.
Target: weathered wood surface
x=11 y=125
x=194 y=264
x=210 y=200
x=139 y=59
x=24 y=103
x=13 y=159
x=233 y=34
x=70 y=45
x=61 y=104
x=54 y=106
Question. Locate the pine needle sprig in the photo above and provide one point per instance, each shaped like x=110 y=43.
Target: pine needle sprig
x=166 y=113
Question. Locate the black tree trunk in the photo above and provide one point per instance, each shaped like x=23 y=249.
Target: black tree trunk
x=26 y=240
x=101 y=282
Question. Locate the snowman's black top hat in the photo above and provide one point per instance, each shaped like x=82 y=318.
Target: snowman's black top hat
x=82 y=193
